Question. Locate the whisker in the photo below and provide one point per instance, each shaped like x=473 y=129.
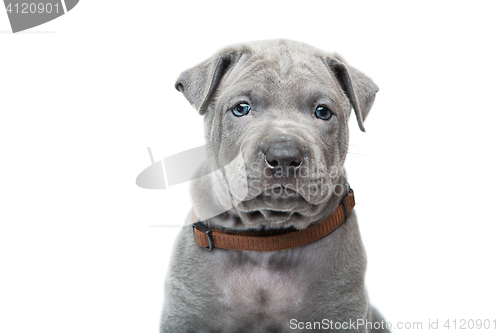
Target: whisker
x=350 y=152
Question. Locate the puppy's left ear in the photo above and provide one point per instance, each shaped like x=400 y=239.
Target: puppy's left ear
x=359 y=88
x=200 y=83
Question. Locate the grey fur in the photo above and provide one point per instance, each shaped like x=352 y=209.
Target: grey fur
x=241 y=291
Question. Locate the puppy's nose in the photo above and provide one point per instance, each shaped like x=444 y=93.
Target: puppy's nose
x=284 y=155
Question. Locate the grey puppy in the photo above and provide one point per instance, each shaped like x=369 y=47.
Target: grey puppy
x=272 y=103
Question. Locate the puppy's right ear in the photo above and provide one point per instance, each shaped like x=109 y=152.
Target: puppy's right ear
x=200 y=83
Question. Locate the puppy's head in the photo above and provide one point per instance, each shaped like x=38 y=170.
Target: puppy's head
x=281 y=108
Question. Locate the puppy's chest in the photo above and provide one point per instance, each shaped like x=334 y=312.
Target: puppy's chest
x=261 y=293
x=259 y=286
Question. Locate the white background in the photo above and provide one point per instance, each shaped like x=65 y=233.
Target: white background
x=82 y=97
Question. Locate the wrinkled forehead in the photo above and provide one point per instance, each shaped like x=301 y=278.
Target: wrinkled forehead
x=279 y=76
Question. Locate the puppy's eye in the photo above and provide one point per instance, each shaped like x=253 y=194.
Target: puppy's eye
x=240 y=110
x=323 y=113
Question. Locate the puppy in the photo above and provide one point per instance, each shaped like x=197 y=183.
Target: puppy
x=272 y=204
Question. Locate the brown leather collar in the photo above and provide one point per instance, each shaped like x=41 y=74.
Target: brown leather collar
x=210 y=239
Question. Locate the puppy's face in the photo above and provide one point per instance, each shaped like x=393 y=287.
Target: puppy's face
x=282 y=111
x=288 y=119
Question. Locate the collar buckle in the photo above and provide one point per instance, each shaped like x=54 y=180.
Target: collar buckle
x=344 y=203
x=207 y=231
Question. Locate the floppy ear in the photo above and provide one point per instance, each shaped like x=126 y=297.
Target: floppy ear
x=199 y=83
x=359 y=88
